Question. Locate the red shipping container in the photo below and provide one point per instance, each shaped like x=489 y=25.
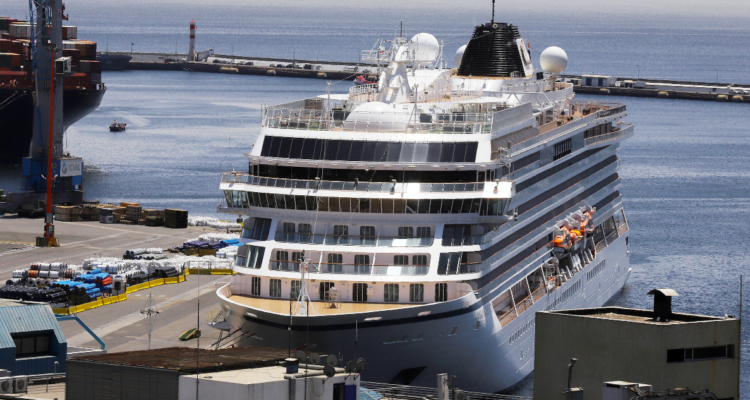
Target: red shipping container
x=7 y=77
x=16 y=47
x=15 y=60
x=76 y=81
x=5 y=36
x=85 y=66
x=4 y=46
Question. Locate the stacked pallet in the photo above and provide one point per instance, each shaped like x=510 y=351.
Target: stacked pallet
x=175 y=218
x=133 y=213
x=67 y=213
x=118 y=214
x=153 y=217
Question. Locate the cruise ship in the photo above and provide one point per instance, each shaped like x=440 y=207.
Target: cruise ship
x=420 y=222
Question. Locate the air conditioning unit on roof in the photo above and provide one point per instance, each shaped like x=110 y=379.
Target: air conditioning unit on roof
x=6 y=385
x=20 y=384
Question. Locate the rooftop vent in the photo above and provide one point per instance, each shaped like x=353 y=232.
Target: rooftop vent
x=663 y=304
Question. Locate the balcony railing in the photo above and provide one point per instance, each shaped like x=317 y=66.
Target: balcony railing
x=310 y=114
x=408 y=187
x=354 y=240
x=352 y=269
x=619 y=134
x=509 y=316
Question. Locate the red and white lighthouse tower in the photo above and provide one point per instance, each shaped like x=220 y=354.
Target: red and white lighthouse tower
x=191 y=50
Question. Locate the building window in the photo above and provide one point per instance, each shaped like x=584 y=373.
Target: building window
x=325 y=288
x=359 y=292
x=424 y=232
x=274 y=288
x=30 y=344
x=335 y=262
x=563 y=148
x=362 y=264
x=441 y=292
x=255 y=287
x=296 y=288
x=405 y=232
x=390 y=293
x=700 y=353
x=416 y=293
x=400 y=260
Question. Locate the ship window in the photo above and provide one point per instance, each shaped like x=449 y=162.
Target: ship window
x=304 y=232
x=297 y=145
x=390 y=293
x=335 y=263
x=563 y=148
x=356 y=152
x=405 y=232
x=416 y=293
x=394 y=152
x=400 y=260
x=407 y=152
x=294 y=292
x=441 y=292
x=341 y=234
x=274 y=289
x=325 y=287
x=275 y=144
x=420 y=152
x=362 y=264
x=254 y=255
x=424 y=231
x=446 y=152
x=419 y=260
x=255 y=286
x=285 y=147
x=289 y=227
x=359 y=292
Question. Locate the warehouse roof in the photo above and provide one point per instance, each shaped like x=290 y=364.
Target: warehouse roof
x=20 y=317
x=637 y=316
x=183 y=359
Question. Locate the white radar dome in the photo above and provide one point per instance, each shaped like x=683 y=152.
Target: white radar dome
x=554 y=60
x=424 y=47
x=460 y=55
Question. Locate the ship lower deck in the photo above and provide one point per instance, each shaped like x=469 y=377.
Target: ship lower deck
x=279 y=306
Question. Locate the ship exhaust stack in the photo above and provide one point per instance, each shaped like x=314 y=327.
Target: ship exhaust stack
x=663 y=304
x=191 y=50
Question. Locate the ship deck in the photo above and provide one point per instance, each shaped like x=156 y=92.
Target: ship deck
x=321 y=307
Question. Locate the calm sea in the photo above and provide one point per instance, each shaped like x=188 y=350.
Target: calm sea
x=686 y=173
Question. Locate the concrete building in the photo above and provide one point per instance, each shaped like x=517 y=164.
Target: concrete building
x=164 y=373
x=598 y=80
x=663 y=349
x=271 y=383
x=31 y=340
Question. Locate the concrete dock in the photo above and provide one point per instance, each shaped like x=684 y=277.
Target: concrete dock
x=120 y=325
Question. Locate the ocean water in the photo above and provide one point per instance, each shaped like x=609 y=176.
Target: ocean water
x=686 y=172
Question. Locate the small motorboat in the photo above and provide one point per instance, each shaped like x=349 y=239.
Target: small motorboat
x=361 y=80
x=117 y=127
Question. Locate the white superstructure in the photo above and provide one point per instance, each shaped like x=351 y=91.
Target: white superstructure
x=429 y=216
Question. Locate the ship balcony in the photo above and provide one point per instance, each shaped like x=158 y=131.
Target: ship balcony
x=370 y=92
x=353 y=240
x=386 y=187
x=582 y=114
x=351 y=269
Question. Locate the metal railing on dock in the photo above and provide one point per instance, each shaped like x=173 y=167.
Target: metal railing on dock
x=390 y=391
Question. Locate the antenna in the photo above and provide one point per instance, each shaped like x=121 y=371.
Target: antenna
x=149 y=313
x=401 y=34
x=493 y=12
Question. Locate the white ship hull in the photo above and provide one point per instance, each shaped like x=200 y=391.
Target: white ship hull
x=483 y=359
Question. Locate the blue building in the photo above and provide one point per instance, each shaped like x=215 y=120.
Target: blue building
x=31 y=339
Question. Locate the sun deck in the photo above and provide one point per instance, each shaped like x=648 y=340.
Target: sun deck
x=321 y=307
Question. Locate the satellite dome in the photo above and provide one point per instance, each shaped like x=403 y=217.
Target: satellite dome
x=554 y=60
x=424 y=47
x=460 y=55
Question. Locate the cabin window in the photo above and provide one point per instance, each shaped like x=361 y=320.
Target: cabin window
x=255 y=286
x=274 y=288
x=424 y=232
x=401 y=260
x=359 y=292
x=340 y=233
x=335 y=262
x=390 y=293
x=441 y=292
x=416 y=293
x=563 y=148
x=367 y=235
x=362 y=264
x=405 y=232
x=296 y=288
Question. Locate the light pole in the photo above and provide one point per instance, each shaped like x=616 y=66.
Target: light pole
x=639 y=70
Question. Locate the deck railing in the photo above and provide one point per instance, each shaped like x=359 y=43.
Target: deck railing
x=398 y=187
x=351 y=269
x=509 y=316
x=618 y=134
x=354 y=240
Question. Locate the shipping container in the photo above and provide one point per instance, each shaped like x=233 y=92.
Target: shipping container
x=96 y=66
x=77 y=80
x=96 y=78
x=19 y=30
x=70 y=32
x=7 y=77
x=5 y=46
x=69 y=45
x=75 y=57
